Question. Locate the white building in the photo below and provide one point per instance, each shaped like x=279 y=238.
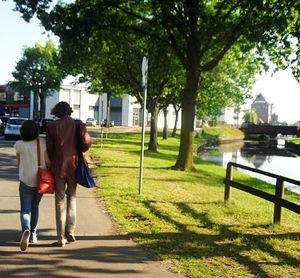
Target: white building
x=231 y=117
x=124 y=111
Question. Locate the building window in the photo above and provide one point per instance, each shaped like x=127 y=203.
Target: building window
x=76 y=106
x=65 y=96
x=77 y=96
x=2 y=96
x=18 y=96
x=95 y=108
x=136 y=117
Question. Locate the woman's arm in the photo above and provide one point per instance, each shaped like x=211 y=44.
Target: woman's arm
x=47 y=159
x=18 y=159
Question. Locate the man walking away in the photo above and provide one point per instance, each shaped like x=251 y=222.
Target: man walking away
x=62 y=150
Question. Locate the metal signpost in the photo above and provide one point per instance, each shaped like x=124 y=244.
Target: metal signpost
x=144 y=72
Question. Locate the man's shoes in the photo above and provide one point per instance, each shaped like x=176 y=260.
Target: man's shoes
x=70 y=237
x=24 y=240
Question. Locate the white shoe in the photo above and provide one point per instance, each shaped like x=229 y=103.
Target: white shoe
x=24 y=240
x=62 y=243
x=33 y=239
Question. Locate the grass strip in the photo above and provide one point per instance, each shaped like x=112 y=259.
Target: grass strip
x=181 y=217
x=295 y=141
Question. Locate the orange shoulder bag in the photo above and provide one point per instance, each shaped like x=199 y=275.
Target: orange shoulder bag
x=45 y=178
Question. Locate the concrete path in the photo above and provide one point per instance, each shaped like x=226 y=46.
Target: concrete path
x=98 y=251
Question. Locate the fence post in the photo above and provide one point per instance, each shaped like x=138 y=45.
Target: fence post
x=227 y=195
x=279 y=193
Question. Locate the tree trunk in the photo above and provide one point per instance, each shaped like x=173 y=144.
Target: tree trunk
x=175 y=123
x=35 y=106
x=165 y=131
x=42 y=106
x=189 y=100
x=153 y=129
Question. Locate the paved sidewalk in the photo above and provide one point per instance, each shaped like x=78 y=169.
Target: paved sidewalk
x=97 y=252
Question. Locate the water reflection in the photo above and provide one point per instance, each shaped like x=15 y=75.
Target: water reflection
x=273 y=158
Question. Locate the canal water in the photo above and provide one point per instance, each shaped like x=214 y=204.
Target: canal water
x=273 y=158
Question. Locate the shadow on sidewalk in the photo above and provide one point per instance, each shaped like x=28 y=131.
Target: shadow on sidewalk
x=8 y=167
x=88 y=256
x=7 y=236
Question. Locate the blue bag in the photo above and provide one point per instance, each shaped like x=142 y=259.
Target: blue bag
x=83 y=174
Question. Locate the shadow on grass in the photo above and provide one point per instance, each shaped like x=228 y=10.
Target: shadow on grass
x=135 y=150
x=199 y=177
x=154 y=155
x=217 y=242
x=130 y=139
x=205 y=238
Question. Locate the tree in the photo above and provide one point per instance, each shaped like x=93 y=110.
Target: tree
x=250 y=117
x=200 y=33
x=171 y=96
x=177 y=108
x=116 y=61
x=38 y=71
x=227 y=85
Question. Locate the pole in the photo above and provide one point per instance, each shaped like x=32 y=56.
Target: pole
x=31 y=105
x=144 y=72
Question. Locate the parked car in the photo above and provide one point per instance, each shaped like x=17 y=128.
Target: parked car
x=43 y=124
x=12 y=128
x=91 y=122
x=2 y=127
x=104 y=123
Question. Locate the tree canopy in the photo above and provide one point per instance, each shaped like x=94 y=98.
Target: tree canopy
x=227 y=85
x=200 y=33
x=38 y=71
x=114 y=60
x=250 y=117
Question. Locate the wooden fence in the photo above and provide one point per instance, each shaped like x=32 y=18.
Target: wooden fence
x=277 y=199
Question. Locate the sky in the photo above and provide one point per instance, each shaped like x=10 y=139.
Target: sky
x=282 y=90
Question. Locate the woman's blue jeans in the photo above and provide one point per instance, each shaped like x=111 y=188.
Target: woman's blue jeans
x=29 y=199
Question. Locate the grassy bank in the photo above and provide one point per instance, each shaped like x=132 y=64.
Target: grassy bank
x=213 y=135
x=181 y=217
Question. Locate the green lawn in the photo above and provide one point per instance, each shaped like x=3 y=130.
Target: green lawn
x=294 y=140
x=181 y=216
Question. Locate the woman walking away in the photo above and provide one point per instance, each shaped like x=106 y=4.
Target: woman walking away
x=26 y=151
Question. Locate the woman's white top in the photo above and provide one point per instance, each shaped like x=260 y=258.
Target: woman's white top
x=28 y=160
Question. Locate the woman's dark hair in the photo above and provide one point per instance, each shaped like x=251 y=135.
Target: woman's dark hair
x=61 y=109
x=29 y=130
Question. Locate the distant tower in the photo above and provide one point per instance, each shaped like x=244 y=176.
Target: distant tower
x=263 y=109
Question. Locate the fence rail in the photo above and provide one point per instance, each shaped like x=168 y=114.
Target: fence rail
x=277 y=199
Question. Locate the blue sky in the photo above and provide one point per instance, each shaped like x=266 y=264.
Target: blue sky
x=282 y=89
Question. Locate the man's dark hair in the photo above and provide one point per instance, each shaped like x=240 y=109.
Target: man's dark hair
x=61 y=109
x=29 y=130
